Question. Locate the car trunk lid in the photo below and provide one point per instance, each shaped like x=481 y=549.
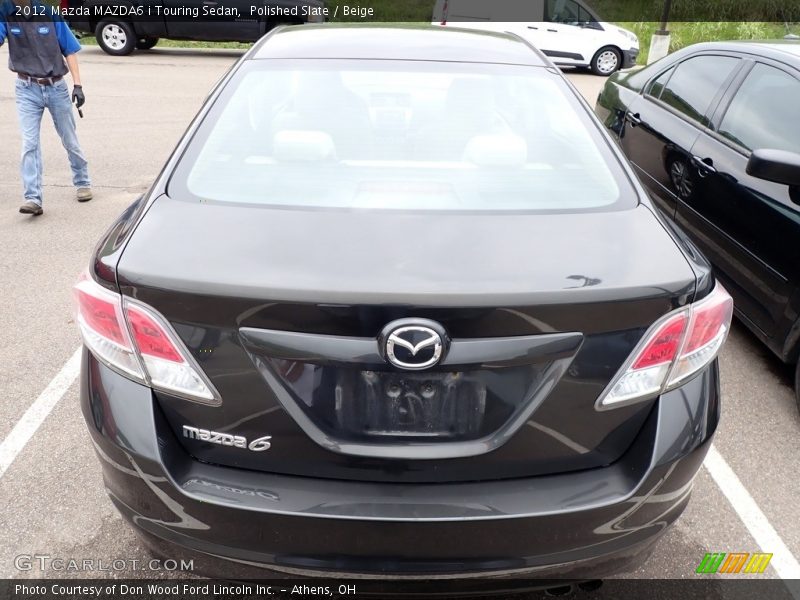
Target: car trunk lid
x=268 y=301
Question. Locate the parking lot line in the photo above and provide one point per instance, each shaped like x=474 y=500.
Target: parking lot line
x=38 y=411
x=783 y=561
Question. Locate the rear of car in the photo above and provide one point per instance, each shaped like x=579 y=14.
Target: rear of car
x=408 y=315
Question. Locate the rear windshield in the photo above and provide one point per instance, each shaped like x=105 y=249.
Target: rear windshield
x=400 y=135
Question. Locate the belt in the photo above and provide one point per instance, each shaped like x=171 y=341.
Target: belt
x=40 y=80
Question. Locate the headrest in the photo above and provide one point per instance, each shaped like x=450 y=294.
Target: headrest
x=470 y=93
x=303 y=145
x=497 y=150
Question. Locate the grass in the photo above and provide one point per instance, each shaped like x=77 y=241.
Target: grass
x=730 y=11
x=684 y=34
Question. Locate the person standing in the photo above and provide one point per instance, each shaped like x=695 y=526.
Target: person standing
x=42 y=49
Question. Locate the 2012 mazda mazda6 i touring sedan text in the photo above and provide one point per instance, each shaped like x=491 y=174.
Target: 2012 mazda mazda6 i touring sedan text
x=398 y=306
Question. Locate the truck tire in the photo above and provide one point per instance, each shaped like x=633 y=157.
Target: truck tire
x=146 y=43
x=606 y=61
x=115 y=37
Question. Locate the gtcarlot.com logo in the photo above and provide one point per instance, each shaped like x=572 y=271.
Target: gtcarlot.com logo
x=734 y=562
x=46 y=562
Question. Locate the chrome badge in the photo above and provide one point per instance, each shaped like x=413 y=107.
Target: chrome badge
x=226 y=439
x=413 y=345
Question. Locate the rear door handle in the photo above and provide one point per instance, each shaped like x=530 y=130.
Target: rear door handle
x=553 y=30
x=633 y=119
x=704 y=165
x=532 y=27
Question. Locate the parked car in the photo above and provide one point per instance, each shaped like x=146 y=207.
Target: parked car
x=713 y=131
x=122 y=26
x=401 y=310
x=567 y=31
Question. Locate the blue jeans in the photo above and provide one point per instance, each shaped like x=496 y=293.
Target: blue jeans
x=32 y=99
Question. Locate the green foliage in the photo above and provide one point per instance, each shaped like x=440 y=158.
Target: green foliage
x=776 y=11
x=684 y=34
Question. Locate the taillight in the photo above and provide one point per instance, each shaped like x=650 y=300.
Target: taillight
x=99 y=316
x=711 y=321
x=663 y=345
x=138 y=342
x=64 y=5
x=675 y=348
x=150 y=338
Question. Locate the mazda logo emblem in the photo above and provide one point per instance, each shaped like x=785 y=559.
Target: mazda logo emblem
x=413 y=345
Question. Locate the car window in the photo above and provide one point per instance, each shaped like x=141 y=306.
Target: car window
x=765 y=113
x=695 y=83
x=658 y=84
x=566 y=11
x=398 y=135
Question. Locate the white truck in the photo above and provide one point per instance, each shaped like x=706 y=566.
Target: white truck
x=567 y=31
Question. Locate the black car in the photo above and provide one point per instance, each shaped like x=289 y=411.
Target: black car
x=122 y=26
x=714 y=132
x=401 y=310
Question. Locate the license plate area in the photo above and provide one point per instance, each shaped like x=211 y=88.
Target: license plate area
x=410 y=405
x=389 y=407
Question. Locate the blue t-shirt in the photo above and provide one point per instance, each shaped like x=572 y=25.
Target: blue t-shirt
x=38 y=41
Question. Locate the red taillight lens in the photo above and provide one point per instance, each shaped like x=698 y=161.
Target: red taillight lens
x=711 y=321
x=678 y=347
x=664 y=344
x=154 y=356
x=101 y=316
x=64 y=4
x=150 y=337
x=707 y=317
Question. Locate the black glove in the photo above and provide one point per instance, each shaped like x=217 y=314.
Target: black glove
x=77 y=96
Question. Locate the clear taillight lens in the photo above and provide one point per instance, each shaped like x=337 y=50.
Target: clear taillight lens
x=676 y=348
x=138 y=342
x=99 y=316
x=710 y=324
x=650 y=367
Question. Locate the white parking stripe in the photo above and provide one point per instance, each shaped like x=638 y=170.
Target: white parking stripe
x=768 y=540
x=38 y=411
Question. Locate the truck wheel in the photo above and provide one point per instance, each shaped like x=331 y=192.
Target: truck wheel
x=146 y=43
x=115 y=37
x=606 y=61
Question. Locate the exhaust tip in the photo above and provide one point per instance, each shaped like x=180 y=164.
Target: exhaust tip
x=561 y=590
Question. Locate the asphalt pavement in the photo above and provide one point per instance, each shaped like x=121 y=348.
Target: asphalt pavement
x=51 y=491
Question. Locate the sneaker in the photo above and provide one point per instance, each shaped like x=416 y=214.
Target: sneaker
x=31 y=208
x=84 y=194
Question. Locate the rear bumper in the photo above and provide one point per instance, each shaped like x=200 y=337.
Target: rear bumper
x=587 y=524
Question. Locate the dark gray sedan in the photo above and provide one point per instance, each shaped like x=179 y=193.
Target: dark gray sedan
x=398 y=306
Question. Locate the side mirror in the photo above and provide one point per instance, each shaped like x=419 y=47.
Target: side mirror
x=777 y=166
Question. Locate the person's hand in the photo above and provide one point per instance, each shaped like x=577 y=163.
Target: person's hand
x=77 y=96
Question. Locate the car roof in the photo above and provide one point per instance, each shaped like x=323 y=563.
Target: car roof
x=781 y=50
x=397 y=42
